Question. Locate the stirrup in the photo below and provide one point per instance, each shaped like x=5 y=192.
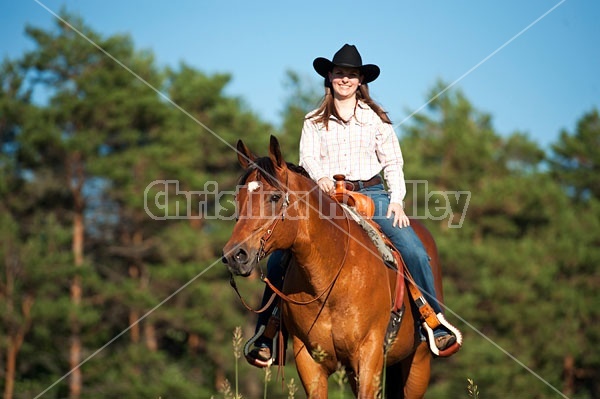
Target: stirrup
x=250 y=345
x=452 y=349
x=269 y=331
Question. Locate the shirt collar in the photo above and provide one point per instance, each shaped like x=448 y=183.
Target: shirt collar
x=361 y=109
x=359 y=112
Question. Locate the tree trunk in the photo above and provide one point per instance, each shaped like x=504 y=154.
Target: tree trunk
x=195 y=344
x=134 y=315
x=16 y=335
x=75 y=378
x=150 y=336
x=12 y=351
x=149 y=329
x=11 y=354
x=75 y=180
x=568 y=375
x=11 y=363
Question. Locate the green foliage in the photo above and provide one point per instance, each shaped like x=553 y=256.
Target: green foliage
x=519 y=272
x=157 y=312
x=576 y=158
x=302 y=99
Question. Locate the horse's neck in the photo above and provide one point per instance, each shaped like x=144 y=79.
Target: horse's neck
x=321 y=245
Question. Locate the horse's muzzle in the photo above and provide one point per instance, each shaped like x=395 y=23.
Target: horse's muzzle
x=239 y=262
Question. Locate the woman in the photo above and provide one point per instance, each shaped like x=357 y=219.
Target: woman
x=350 y=134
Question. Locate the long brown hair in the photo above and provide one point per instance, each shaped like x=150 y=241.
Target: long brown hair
x=327 y=107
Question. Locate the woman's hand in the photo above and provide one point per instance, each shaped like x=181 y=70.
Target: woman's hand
x=400 y=218
x=326 y=184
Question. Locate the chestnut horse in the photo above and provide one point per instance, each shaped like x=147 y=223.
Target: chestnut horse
x=338 y=290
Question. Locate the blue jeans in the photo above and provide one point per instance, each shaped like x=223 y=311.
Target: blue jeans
x=275 y=274
x=407 y=242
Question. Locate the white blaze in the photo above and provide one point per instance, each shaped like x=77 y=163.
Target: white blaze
x=253 y=186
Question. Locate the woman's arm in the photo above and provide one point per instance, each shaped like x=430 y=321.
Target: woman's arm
x=310 y=150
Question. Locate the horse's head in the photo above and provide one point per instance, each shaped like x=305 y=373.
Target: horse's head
x=263 y=205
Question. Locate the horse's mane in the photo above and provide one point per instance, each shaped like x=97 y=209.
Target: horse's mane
x=266 y=169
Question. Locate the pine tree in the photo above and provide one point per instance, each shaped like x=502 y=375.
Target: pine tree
x=517 y=262
x=83 y=113
x=575 y=161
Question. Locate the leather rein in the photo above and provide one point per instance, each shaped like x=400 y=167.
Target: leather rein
x=276 y=292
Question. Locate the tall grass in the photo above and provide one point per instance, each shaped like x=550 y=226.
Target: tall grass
x=472 y=389
x=340 y=377
x=266 y=381
x=237 y=353
x=292 y=388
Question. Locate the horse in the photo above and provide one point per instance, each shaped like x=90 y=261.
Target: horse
x=338 y=291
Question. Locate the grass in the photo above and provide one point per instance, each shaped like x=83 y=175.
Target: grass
x=472 y=389
x=340 y=377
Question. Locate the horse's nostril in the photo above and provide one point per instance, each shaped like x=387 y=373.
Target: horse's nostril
x=241 y=256
x=224 y=259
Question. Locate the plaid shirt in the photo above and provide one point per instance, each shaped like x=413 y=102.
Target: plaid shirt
x=359 y=149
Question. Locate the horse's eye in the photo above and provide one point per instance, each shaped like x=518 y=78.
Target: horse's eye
x=275 y=197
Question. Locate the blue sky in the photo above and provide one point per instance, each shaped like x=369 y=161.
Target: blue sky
x=540 y=82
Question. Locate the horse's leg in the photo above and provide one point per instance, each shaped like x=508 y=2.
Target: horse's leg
x=312 y=375
x=418 y=370
x=370 y=364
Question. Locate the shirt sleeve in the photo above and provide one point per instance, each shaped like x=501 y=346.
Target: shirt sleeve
x=310 y=150
x=392 y=162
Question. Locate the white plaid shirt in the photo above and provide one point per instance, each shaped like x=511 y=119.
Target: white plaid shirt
x=359 y=149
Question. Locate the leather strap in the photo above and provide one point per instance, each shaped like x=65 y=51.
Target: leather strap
x=425 y=309
x=355 y=185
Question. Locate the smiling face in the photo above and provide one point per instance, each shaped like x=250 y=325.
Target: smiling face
x=345 y=81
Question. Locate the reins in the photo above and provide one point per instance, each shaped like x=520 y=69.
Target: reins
x=337 y=274
x=248 y=307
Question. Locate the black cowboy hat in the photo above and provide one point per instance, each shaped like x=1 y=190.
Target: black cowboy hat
x=347 y=56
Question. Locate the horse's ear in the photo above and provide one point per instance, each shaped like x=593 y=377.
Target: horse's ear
x=275 y=153
x=245 y=156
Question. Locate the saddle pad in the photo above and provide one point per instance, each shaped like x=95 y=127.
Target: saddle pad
x=375 y=236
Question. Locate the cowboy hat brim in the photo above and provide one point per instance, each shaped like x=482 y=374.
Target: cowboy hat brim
x=323 y=66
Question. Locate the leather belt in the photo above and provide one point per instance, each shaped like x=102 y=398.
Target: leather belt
x=356 y=185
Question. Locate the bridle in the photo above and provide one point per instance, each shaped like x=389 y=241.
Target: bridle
x=261 y=254
x=269 y=232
